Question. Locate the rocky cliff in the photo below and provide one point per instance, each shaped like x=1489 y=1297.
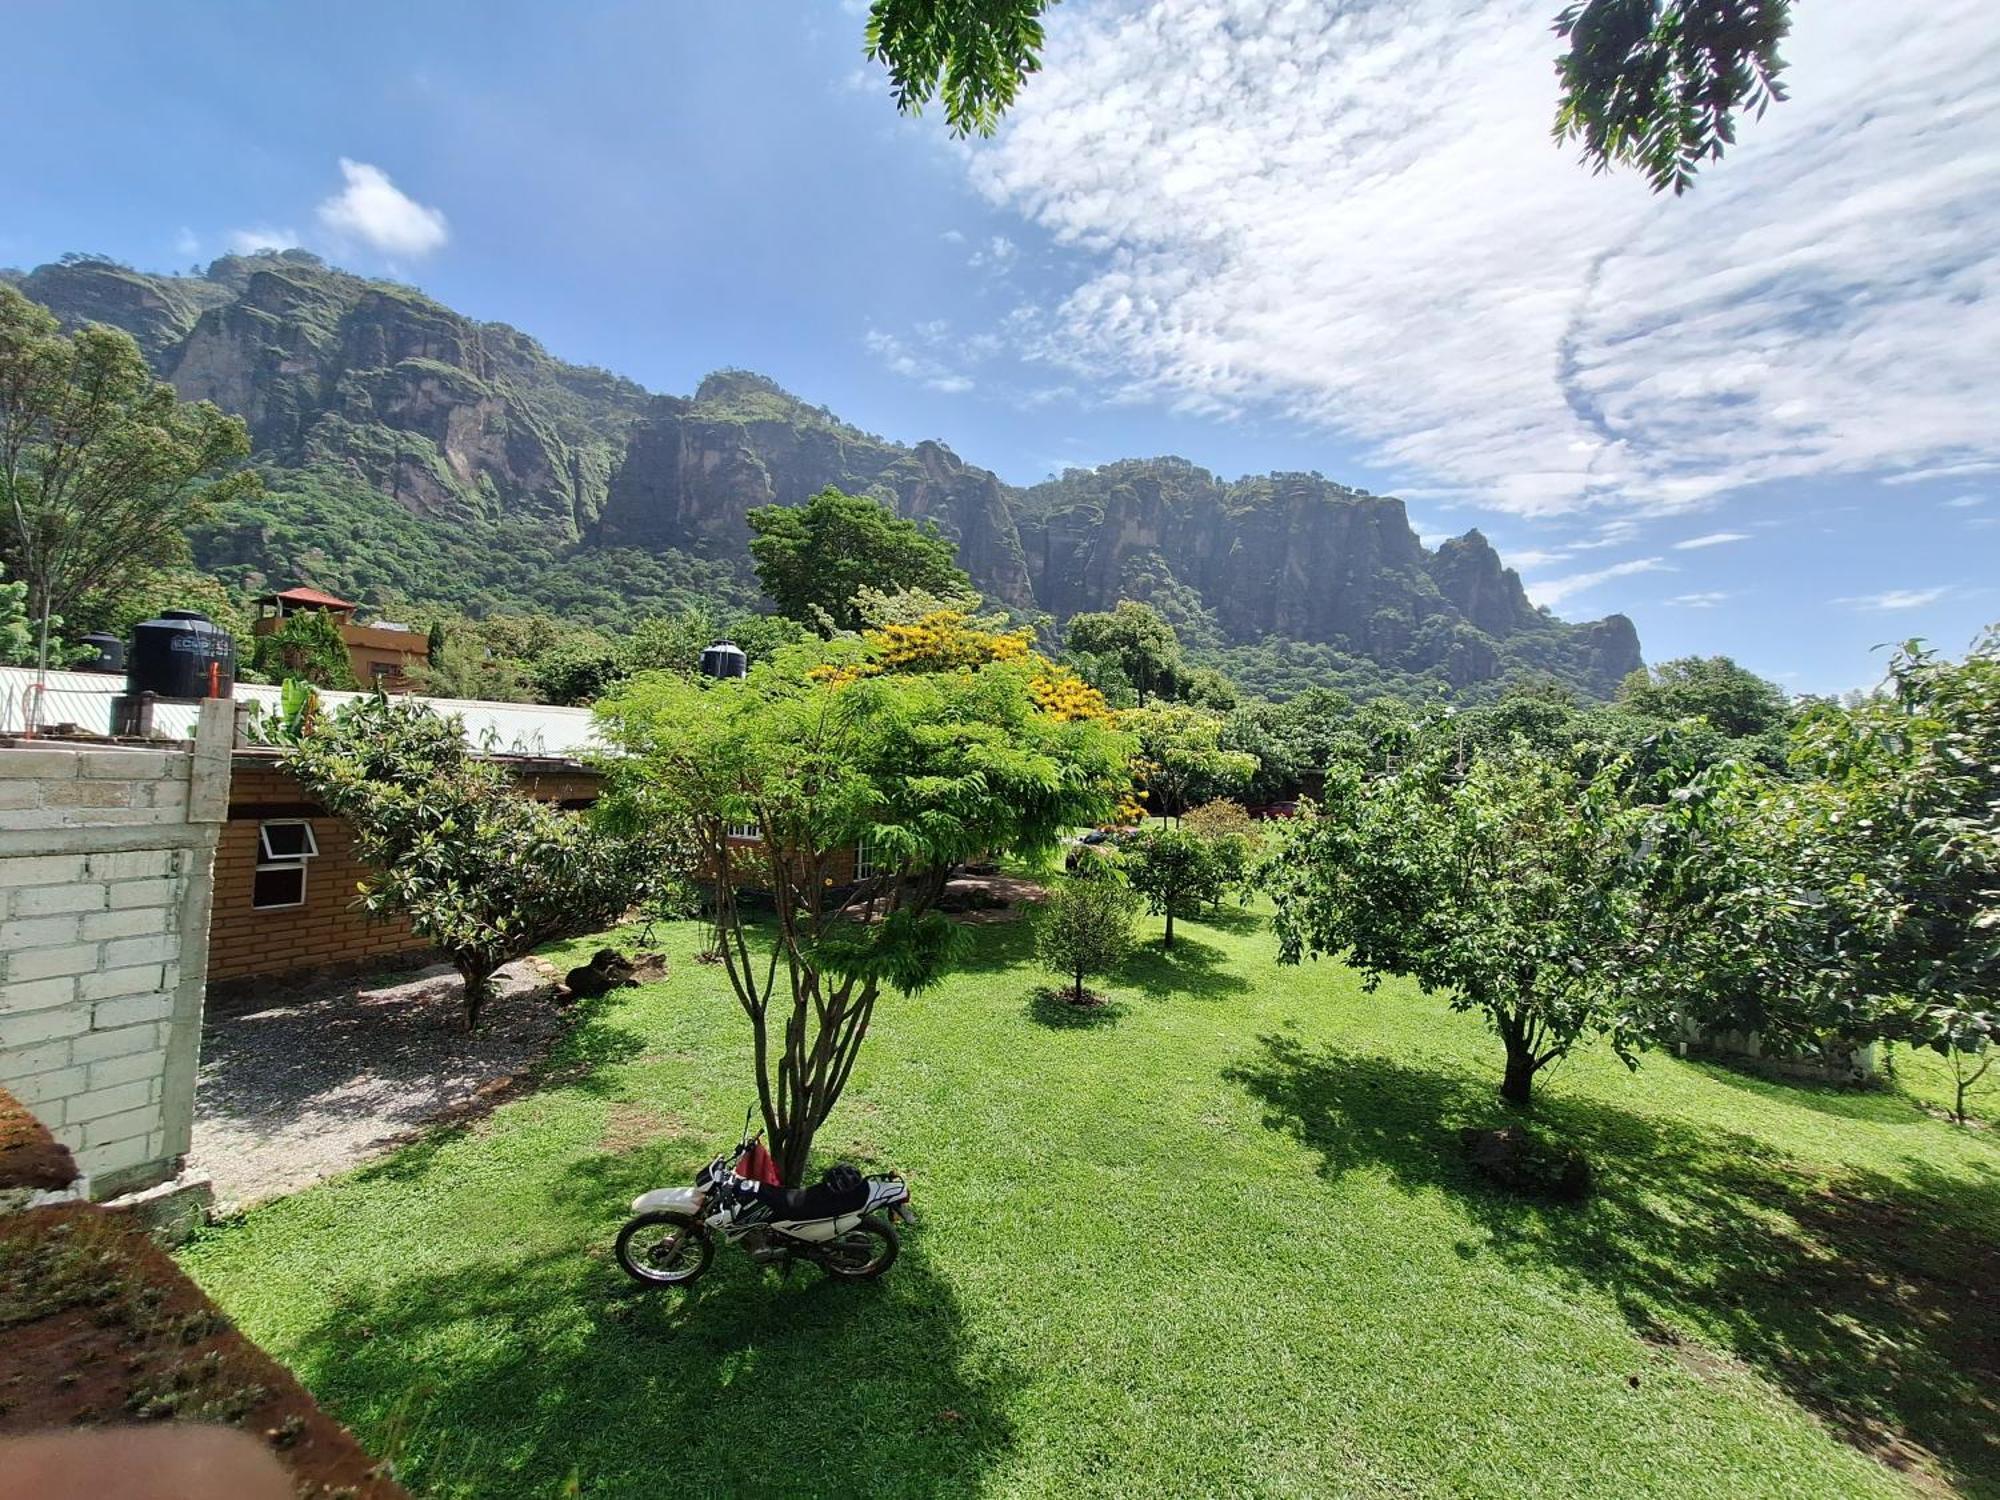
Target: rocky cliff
x=473 y=430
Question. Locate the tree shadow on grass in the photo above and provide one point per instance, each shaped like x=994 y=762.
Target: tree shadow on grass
x=524 y=1372
x=1867 y=1300
x=1054 y=1009
x=1879 y=1106
x=1190 y=967
x=1237 y=919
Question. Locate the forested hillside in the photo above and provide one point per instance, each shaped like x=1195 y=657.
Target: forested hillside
x=415 y=456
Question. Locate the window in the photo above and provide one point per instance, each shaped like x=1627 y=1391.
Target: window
x=744 y=831
x=865 y=867
x=380 y=669
x=284 y=845
x=290 y=839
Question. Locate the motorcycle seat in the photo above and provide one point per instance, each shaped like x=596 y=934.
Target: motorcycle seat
x=823 y=1200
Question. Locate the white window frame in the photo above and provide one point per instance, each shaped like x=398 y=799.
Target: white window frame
x=269 y=861
x=746 y=830
x=864 y=859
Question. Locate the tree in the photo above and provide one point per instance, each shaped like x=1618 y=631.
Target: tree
x=1917 y=772
x=1234 y=839
x=1205 y=687
x=1085 y=927
x=925 y=769
x=1292 y=741
x=1857 y=894
x=1730 y=699
x=480 y=869
x=1135 y=637
x=17 y=632
x=878 y=608
x=1175 y=869
x=1655 y=84
x=102 y=467
x=307 y=645
x=1512 y=887
x=580 y=669
x=467 y=667
x=1182 y=760
x=143 y=596
x=814 y=559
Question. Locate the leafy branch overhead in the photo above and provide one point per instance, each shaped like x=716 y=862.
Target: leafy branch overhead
x=1658 y=84
x=1652 y=84
x=972 y=54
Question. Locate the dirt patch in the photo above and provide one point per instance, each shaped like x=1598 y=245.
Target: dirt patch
x=302 y=1083
x=632 y=1125
x=31 y=1160
x=98 y=1326
x=984 y=900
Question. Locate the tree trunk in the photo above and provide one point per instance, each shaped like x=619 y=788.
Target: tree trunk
x=1517 y=1086
x=791 y=1150
x=1965 y=1082
x=1078 y=995
x=478 y=987
x=1170 y=927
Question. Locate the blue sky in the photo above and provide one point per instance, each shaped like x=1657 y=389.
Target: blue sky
x=1258 y=233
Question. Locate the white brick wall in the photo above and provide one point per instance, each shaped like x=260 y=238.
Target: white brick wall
x=103 y=944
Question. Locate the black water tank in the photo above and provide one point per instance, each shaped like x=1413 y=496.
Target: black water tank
x=723 y=659
x=107 y=654
x=173 y=657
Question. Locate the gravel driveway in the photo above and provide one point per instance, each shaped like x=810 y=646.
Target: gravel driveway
x=299 y=1085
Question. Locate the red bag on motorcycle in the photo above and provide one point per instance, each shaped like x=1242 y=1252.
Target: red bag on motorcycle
x=756 y=1164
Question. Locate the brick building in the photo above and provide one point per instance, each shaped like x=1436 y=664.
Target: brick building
x=285 y=875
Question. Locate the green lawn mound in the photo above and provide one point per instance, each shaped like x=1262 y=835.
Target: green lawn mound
x=1223 y=1239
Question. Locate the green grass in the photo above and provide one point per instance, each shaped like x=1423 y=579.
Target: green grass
x=1220 y=1242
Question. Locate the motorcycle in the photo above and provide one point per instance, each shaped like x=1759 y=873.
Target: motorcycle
x=843 y=1223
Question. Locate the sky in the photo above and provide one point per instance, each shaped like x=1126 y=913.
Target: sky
x=1761 y=419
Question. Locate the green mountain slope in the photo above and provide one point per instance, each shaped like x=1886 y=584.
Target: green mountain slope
x=412 y=453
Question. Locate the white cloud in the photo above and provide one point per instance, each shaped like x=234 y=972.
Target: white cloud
x=1532 y=557
x=953 y=236
x=263 y=237
x=919 y=364
x=1610 y=534
x=373 y=210
x=1707 y=599
x=998 y=255
x=1712 y=539
x=1552 y=591
x=1965 y=502
x=1352 y=215
x=1897 y=598
x=185 y=242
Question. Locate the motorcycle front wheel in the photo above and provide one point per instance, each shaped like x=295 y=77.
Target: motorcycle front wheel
x=863 y=1253
x=665 y=1249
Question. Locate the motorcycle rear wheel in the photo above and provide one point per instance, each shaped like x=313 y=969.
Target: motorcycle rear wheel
x=863 y=1253
x=665 y=1249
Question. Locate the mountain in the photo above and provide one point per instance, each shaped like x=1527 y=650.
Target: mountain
x=412 y=453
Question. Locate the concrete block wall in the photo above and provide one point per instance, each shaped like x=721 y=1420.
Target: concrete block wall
x=106 y=856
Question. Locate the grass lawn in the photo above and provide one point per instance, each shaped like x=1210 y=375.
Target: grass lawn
x=1218 y=1241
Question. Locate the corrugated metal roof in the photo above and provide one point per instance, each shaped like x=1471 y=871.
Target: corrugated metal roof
x=84 y=699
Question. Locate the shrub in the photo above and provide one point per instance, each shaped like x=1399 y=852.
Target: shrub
x=1086 y=927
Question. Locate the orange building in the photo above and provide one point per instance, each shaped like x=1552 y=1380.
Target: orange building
x=379 y=653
